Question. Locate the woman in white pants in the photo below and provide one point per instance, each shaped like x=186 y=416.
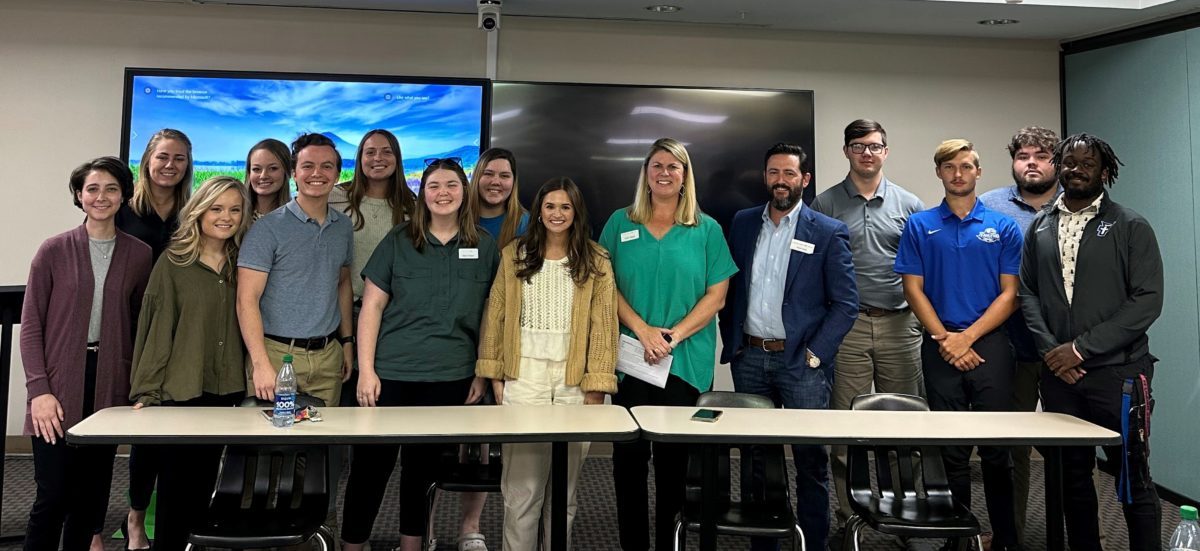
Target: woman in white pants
x=549 y=337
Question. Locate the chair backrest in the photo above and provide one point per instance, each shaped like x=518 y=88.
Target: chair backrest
x=897 y=468
x=775 y=488
x=273 y=477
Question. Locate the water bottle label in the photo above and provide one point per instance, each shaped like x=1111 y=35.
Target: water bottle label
x=285 y=404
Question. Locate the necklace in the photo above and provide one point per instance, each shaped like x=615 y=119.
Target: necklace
x=103 y=250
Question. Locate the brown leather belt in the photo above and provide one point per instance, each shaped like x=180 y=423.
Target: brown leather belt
x=873 y=312
x=767 y=345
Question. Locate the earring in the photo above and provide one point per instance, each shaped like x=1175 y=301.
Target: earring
x=539 y=219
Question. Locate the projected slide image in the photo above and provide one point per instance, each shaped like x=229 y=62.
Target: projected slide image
x=225 y=116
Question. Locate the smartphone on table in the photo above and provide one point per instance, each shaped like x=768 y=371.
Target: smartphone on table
x=706 y=415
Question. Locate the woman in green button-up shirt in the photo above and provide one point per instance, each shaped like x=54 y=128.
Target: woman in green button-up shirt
x=672 y=267
x=188 y=350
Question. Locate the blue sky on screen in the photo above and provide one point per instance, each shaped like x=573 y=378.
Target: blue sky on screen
x=224 y=117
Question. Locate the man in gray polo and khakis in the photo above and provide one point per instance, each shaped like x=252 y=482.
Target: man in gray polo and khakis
x=884 y=346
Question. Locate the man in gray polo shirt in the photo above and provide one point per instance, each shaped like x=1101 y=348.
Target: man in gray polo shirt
x=884 y=346
x=1031 y=149
x=294 y=293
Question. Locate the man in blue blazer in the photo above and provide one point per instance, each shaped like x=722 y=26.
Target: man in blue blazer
x=792 y=301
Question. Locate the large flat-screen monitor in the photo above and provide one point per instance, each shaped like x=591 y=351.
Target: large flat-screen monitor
x=598 y=135
x=225 y=113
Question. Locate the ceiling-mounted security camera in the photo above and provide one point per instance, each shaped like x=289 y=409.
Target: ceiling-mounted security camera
x=489 y=15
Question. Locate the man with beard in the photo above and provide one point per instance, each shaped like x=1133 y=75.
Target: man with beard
x=791 y=302
x=884 y=345
x=1036 y=186
x=959 y=262
x=1091 y=286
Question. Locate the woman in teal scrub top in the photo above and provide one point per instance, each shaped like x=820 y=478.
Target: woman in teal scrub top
x=672 y=267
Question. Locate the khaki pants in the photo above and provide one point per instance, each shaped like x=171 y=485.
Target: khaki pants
x=525 y=479
x=883 y=351
x=318 y=372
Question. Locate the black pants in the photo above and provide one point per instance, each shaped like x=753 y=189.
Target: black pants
x=988 y=387
x=73 y=484
x=631 y=469
x=372 y=464
x=1097 y=398
x=186 y=479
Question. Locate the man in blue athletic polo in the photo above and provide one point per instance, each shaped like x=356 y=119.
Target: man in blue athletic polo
x=959 y=263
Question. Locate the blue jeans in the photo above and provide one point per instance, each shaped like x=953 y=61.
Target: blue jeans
x=756 y=371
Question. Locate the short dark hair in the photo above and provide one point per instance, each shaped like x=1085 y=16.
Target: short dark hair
x=863 y=127
x=1108 y=159
x=112 y=165
x=1032 y=136
x=784 y=148
x=314 y=140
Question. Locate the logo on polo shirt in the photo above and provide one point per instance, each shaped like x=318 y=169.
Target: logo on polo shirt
x=1102 y=229
x=989 y=235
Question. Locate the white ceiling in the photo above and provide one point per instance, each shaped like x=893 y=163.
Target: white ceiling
x=1039 y=19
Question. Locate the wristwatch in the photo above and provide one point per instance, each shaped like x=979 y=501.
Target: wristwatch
x=813 y=361
x=349 y=339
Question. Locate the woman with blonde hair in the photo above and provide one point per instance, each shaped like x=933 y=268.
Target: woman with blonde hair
x=426 y=285
x=151 y=214
x=494 y=195
x=549 y=337
x=268 y=177
x=672 y=267
x=188 y=350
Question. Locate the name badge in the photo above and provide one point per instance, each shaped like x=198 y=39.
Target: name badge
x=803 y=246
x=630 y=235
x=468 y=254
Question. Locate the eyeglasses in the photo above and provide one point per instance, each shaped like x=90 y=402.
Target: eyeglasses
x=859 y=148
x=435 y=160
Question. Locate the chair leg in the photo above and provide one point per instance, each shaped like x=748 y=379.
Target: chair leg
x=326 y=538
x=428 y=541
x=979 y=542
x=679 y=544
x=853 y=526
x=799 y=539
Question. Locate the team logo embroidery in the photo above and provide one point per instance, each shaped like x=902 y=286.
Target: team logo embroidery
x=1102 y=229
x=989 y=235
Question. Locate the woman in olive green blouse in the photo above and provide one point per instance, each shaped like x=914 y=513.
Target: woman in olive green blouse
x=189 y=348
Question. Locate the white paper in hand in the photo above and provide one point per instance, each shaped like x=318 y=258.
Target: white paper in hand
x=631 y=360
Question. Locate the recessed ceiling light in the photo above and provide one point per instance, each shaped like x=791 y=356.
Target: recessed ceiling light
x=990 y=22
x=663 y=8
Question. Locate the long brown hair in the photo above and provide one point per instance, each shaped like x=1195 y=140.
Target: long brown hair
x=583 y=258
x=399 y=197
x=140 y=202
x=281 y=153
x=468 y=232
x=513 y=211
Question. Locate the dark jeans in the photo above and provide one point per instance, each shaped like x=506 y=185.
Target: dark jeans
x=756 y=371
x=988 y=387
x=1097 y=398
x=73 y=484
x=372 y=464
x=631 y=469
x=186 y=479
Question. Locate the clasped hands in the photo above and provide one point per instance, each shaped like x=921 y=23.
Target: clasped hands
x=955 y=348
x=1064 y=363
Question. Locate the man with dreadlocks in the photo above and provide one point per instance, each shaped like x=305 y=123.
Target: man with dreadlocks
x=1091 y=285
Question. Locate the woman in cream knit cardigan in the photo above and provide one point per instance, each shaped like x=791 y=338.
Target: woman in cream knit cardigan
x=549 y=337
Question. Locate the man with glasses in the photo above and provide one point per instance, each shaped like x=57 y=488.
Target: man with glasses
x=884 y=345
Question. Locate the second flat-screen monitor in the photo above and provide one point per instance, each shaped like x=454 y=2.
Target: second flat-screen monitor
x=598 y=135
x=225 y=113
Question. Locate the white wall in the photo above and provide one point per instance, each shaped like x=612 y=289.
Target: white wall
x=62 y=62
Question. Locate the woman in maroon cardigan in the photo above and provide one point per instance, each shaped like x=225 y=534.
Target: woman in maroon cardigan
x=85 y=289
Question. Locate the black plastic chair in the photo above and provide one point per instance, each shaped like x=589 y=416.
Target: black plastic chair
x=899 y=505
x=267 y=496
x=468 y=468
x=765 y=514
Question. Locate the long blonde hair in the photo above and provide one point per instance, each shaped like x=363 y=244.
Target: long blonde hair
x=513 y=210
x=140 y=202
x=687 y=212
x=187 y=241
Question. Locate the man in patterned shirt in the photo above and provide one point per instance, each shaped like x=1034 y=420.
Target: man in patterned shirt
x=1091 y=286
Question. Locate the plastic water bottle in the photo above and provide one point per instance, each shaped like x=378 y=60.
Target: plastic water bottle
x=285 y=395
x=1187 y=535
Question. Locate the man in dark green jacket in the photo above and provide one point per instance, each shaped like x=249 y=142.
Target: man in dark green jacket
x=1091 y=286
